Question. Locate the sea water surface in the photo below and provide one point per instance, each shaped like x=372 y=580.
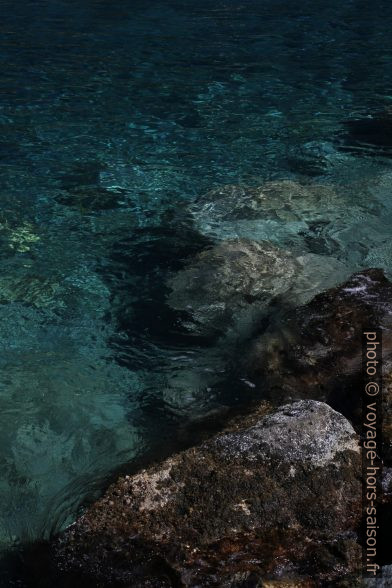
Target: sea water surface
x=114 y=118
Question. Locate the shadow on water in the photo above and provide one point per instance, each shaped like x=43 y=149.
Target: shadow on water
x=136 y=274
x=370 y=136
x=140 y=265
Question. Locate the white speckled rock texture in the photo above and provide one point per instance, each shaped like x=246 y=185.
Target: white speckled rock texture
x=306 y=431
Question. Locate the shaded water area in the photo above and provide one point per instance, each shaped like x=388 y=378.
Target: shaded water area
x=115 y=119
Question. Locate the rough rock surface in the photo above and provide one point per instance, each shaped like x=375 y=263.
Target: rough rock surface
x=222 y=281
x=316 y=352
x=273 y=501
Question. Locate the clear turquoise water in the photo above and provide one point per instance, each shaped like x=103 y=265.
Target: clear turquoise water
x=115 y=117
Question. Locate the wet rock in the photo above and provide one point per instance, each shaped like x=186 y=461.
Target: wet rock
x=317 y=351
x=221 y=282
x=274 y=498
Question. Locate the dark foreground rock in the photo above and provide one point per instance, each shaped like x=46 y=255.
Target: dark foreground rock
x=273 y=501
x=316 y=352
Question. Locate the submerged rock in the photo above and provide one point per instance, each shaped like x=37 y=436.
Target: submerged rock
x=235 y=280
x=316 y=274
x=225 y=280
x=279 y=211
x=276 y=497
x=283 y=200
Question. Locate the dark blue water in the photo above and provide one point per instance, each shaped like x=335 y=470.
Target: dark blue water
x=115 y=117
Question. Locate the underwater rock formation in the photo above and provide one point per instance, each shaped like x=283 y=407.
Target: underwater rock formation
x=234 y=281
x=279 y=211
x=275 y=496
x=284 y=200
x=221 y=282
x=316 y=273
